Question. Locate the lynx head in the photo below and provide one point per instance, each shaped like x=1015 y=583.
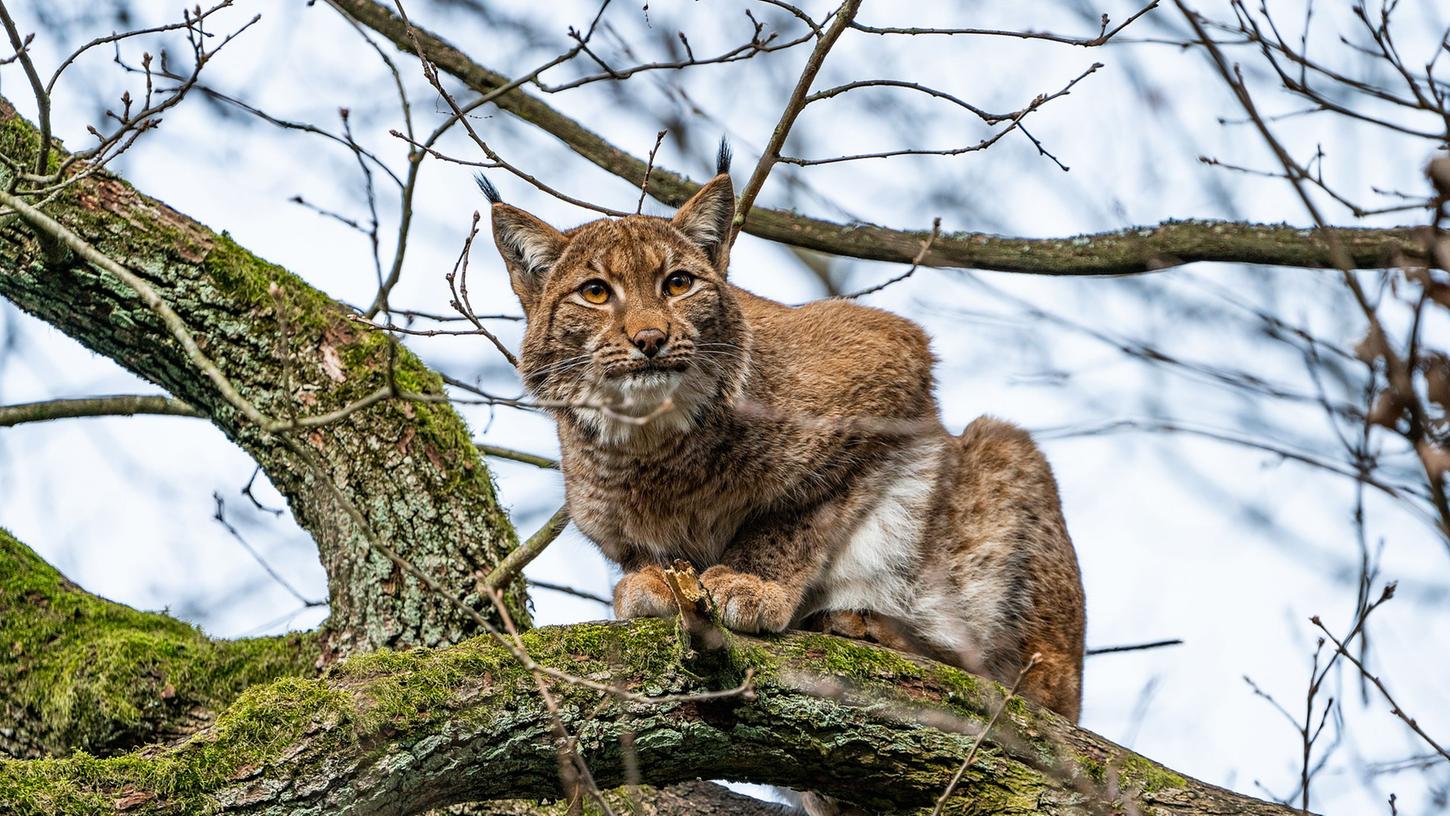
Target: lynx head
x=631 y=328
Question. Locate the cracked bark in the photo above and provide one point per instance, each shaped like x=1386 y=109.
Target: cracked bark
x=401 y=733
x=411 y=468
x=1123 y=252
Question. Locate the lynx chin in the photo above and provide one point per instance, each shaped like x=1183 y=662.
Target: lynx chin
x=794 y=455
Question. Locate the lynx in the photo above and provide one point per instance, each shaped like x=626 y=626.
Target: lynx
x=793 y=455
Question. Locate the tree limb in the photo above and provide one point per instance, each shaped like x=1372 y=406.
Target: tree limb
x=1123 y=252
x=119 y=405
x=287 y=348
x=81 y=673
x=400 y=733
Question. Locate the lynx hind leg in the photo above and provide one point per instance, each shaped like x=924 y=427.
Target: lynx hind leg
x=644 y=594
x=1007 y=512
x=865 y=625
x=1055 y=683
x=815 y=804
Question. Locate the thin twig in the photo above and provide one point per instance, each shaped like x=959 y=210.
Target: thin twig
x=568 y=590
x=649 y=168
x=520 y=556
x=517 y=456
x=842 y=18
x=977 y=743
x=118 y=405
x=1384 y=692
x=915 y=263
x=1134 y=647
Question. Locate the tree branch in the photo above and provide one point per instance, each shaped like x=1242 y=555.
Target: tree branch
x=120 y=405
x=400 y=733
x=1124 y=252
x=84 y=674
x=285 y=348
x=842 y=18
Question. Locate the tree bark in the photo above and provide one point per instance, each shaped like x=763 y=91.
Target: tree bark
x=410 y=467
x=1124 y=252
x=400 y=733
x=81 y=673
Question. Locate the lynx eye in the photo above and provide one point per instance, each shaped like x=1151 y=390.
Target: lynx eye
x=595 y=291
x=678 y=283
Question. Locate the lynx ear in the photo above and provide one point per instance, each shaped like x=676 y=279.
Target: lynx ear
x=529 y=247
x=706 y=220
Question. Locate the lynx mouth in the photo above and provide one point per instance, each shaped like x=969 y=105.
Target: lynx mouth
x=649 y=369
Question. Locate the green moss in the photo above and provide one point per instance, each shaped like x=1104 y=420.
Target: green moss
x=256 y=728
x=1147 y=776
x=852 y=660
x=18 y=138
x=371 y=702
x=85 y=673
x=868 y=665
x=403 y=687
x=1094 y=769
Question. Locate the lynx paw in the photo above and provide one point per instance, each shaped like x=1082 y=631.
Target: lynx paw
x=748 y=603
x=860 y=625
x=644 y=594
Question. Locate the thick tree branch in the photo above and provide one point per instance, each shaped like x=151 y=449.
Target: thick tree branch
x=85 y=674
x=1123 y=252
x=81 y=673
x=288 y=349
x=400 y=733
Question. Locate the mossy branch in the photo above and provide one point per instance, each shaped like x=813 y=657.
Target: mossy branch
x=85 y=674
x=412 y=467
x=81 y=673
x=401 y=733
x=1124 y=252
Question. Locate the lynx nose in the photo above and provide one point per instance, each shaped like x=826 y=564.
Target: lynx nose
x=650 y=341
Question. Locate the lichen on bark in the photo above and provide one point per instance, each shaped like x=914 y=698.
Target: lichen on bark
x=411 y=468
x=402 y=732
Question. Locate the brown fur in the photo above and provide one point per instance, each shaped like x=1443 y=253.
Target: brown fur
x=793 y=454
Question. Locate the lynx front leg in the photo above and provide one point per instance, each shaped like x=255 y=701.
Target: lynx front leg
x=750 y=603
x=644 y=594
x=762 y=578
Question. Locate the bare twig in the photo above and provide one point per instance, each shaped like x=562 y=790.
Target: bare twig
x=568 y=590
x=119 y=405
x=1103 y=35
x=520 y=556
x=517 y=456
x=915 y=262
x=977 y=743
x=221 y=518
x=649 y=168
x=841 y=19
x=1384 y=692
x=1134 y=647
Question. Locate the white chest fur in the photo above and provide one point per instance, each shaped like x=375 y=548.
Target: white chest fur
x=878 y=567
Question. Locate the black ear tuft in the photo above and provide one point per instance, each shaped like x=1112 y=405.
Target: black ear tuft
x=489 y=191
x=723 y=157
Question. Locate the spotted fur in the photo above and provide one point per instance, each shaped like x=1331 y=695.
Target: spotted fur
x=794 y=455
